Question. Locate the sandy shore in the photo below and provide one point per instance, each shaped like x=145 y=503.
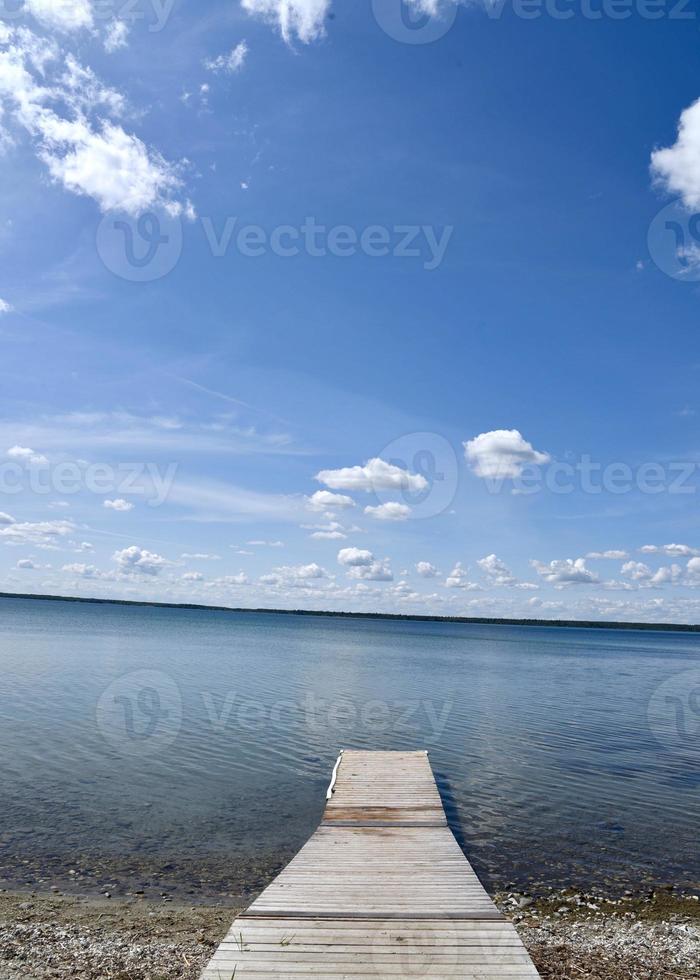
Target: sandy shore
x=570 y=936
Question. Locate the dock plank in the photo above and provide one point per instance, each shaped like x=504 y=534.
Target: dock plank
x=381 y=889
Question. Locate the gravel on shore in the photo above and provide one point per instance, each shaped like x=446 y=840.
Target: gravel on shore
x=571 y=936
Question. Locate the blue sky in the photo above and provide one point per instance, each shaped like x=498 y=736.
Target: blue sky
x=435 y=261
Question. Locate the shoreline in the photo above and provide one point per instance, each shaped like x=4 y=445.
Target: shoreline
x=568 y=934
x=391 y=617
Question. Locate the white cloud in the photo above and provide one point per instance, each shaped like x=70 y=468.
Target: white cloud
x=92 y=157
x=301 y=18
x=193 y=577
x=354 y=557
x=198 y=556
x=639 y=572
x=565 y=572
x=670 y=550
x=118 y=504
x=363 y=565
x=694 y=568
x=496 y=571
x=5 y=518
x=295 y=576
x=41 y=533
x=26 y=455
x=139 y=560
x=677 y=167
x=62 y=15
x=459 y=579
x=325 y=500
x=26 y=563
x=5 y=307
x=501 y=454
x=116 y=36
x=375 y=475
x=376 y=571
x=329 y=536
x=390 y=511
x=426 y=569
x=230 y=63
x=619 y=555
x=84 y=571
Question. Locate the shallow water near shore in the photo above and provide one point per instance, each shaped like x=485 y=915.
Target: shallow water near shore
x=189 y=750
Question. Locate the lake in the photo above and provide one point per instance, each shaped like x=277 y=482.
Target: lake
x=189 y=750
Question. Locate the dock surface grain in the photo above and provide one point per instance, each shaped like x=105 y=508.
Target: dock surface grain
x=381 y=889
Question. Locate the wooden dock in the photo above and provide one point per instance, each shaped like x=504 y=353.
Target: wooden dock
x=381 y=889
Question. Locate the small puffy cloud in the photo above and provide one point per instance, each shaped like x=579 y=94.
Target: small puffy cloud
x=61 y=15
x=459 y=579
x=375 y=475
x=118 y=505
x=199 y=556
x=619 y=555
x=44 y=534
x=113 y=167
x=193 y=577
x=496 y=571
x=329 y=536
x=670 y=550
x=294 y=576
x=361 y=564
x=325 y=500
x=501 y=454
x=5 y=307
x=293 y=18
x=390 y=511
x=426 y=569
x=25 y=455
x=83 y=571
x=5 y=518
x=231 y=63
x=265 y=544
x=135 y=560
x=693 y=568
x=565 y=572
x=677 y=168
x=116 y=36
x=26 y=563
x=355 y=557
x=376 y=571
x=639 y=572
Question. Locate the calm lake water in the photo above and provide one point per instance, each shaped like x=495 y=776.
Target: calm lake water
x=192 y=749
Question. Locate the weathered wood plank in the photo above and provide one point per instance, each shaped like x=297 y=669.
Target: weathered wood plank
x=381 y=889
